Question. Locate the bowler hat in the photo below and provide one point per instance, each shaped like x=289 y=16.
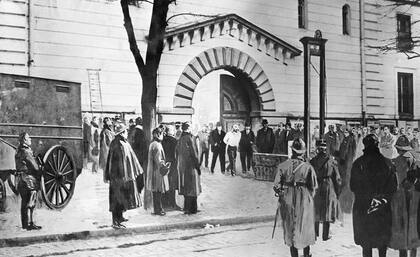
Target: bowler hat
x=403 y=143
x=264 y=121
x=298 y=146
x=218 y=124
x=120 y=128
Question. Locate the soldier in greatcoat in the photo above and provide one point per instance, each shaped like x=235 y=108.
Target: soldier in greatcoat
x=295 y=183
x=327 y=207
x=189 y=169
x=121 y=171
x=29 y=175
x=373 y=182
x=405 y=201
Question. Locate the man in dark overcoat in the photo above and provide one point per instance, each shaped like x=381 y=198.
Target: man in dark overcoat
x=86 y=141
x=139 y=144
x=265 y=138
x=373 y=182
x=333 y=141
x=169 y=143
x=218 y=147
x=345 y=160
x=121 y=171
x=245 y=147
x=189 y=169
x=327 y=208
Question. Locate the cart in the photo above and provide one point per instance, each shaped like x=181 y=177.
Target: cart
x=50 y=112
x=265 y=165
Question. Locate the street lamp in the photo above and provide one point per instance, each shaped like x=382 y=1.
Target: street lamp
x=313 y=46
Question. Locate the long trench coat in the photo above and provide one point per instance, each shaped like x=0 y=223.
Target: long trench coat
x=404 y=206
x=106 y=138
x=297 y=202
x=169 y=146
x=327 y=206
x=122 y=169
x=372 y=176
x=188 y=166
x=155 y=160
x=346 y=156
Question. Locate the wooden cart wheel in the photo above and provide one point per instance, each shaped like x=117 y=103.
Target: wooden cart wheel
x=2 y=196
x=13 y=181
x=58 y=177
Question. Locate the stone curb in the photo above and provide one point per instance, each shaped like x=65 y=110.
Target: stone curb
x=80 y=235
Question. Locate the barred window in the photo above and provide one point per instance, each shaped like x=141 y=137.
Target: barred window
x=302 y=19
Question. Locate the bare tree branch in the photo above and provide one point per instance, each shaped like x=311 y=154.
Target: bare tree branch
x=128 y=24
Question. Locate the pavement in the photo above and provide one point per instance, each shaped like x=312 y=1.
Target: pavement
x=253 y=240
x=225 y=200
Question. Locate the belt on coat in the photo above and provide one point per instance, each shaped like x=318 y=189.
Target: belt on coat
x=295 y=184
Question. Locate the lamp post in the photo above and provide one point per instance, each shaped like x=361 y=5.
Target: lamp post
x=313 y=46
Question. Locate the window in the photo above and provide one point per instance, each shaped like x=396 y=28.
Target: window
x=404 y=40
x=346 y=20
x=405 y=95
x=302 y=14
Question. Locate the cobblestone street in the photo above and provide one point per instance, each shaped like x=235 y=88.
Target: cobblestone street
x=253 y=240
x=223 y=197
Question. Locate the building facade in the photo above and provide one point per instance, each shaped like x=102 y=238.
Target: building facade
x=256 y=41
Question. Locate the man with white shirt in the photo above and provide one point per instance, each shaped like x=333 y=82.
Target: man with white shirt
x=232 y=139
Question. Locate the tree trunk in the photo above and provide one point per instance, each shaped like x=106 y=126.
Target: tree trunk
x=148 y=105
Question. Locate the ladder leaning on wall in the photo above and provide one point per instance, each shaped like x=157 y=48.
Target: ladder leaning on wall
x=95 y=91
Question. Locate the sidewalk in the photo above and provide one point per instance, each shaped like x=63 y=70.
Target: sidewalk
x=225 y=200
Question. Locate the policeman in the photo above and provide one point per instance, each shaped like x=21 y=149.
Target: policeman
x=29 y=174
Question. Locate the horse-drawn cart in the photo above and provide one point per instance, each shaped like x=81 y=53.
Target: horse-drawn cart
x=50 y=112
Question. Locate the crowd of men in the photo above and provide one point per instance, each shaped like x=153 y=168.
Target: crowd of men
x=371 y=171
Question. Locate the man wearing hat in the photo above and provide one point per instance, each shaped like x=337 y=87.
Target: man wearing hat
x=218 y=147
x=333 y=141
x=139 y=143
x=295 y=185
x=345 y=160
x=29 y=174
x=245 y=147
x=373 y=182
x=189 y=169
x=265 y=138
x=121 y=171
x=327 y=207
x=405 y=202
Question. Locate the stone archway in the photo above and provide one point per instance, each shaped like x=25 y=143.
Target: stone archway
x=223 y=58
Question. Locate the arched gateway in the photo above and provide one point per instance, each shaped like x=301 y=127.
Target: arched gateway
x=248 y=94
x=242 y=97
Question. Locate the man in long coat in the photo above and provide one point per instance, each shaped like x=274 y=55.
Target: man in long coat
x=327 y=207
x=218 y=147
x=333 y=141
x=169 y=143
x=295 y=183
x=157 y=180
x=279 y=139
x=86 y=141
x=405 y=202
x=139 y=143
x=345 y=161
x=373 y=182
x=265 y=138
x=121 y=171
x=245 y=147
x=106 y=137
x=189 y=170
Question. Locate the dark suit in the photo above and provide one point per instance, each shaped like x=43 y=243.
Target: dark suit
x=218 y=148
x=169 y=147
x=265 y=140
x=245 y=149
x=140 y=147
